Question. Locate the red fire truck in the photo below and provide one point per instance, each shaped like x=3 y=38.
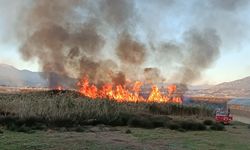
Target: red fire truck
x=223 y=117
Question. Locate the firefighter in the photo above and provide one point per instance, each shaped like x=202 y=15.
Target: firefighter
x=228 y=111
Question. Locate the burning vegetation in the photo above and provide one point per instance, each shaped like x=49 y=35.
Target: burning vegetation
x=123 y=93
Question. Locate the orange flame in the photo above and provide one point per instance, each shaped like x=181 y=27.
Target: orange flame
x=121 y=93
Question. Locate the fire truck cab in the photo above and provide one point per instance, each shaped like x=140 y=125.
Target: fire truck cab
x=223 y=117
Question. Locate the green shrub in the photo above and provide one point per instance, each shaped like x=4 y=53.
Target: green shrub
x=173 y=126
x=62 y=123
x=208 y=122
x=12 y=127
x=29 y=122
x=22 y=128
x=201 y=127
x=8 y=120
x=39 y=126
x=160 y=120
x=181 y=130
x=140 y=121
x=217 y=127
x=121 y=120
x=193 y=126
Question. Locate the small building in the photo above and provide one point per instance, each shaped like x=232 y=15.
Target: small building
x=240 y=109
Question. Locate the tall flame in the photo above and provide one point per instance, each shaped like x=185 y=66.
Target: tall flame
x=121 y=93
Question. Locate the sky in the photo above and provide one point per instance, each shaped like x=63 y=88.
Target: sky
x=231 y=21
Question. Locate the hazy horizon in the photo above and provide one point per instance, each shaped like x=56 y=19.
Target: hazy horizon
x=199 y=84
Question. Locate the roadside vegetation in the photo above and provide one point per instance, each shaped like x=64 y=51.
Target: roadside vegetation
x=25 y=112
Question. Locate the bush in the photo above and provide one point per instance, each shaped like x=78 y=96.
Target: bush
x=122 y=119
x=12 y=127
x=193 y=126
x=173 y=126
x=181 y=130
x=248 y=126
x=186 y=126
x=208 y=122
x=140 y=121
x=8 y=120
x=62 y=123
x=160 y=121
x=22 y=128
x=217 y=127
x=78 y=129
x=201 y=127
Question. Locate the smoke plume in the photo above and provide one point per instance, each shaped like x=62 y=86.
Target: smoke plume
x=202 y=50
x=130 y=51
x=117 y=40
x=153 y=75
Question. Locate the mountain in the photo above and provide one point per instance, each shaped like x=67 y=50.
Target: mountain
x=235 y=85
x=237 y=88
x=11 y=76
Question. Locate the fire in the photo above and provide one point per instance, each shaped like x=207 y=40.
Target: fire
x=122 y=93
x=156 y=96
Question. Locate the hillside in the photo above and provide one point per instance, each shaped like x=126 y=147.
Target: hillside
x=235 y=85
x=237 y=88
x=11 y=76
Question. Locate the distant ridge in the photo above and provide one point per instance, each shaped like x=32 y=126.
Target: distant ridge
x=235 y=85
x=237 y=88
x=11 y=76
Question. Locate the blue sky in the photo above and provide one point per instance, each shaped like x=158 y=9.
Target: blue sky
x=232 y=26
